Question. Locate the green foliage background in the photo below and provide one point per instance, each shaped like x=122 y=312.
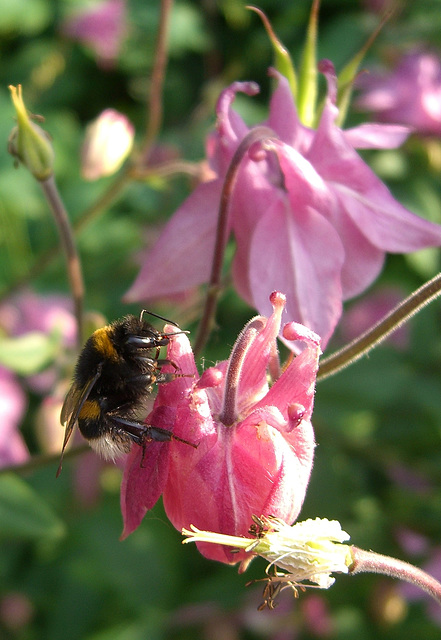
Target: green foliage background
x=64 y=556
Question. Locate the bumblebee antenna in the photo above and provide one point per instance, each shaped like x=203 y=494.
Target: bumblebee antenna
x=156 y=315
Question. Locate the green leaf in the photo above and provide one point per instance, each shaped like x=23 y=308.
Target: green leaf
x=24 y=514
x=29 y=353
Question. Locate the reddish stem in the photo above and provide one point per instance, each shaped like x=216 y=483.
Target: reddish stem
x=370 y=562
x=256 y=135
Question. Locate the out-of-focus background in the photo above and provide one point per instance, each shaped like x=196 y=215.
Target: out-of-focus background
x=63 y=571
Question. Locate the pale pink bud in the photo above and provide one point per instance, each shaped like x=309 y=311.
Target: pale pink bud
x=107 y=144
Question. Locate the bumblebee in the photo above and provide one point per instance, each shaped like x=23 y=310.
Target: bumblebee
x=115 y=372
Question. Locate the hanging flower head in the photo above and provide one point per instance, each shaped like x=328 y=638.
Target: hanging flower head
x=308 y=215
x=256 y=442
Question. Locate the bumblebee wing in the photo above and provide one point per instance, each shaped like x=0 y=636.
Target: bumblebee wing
x=72 y=405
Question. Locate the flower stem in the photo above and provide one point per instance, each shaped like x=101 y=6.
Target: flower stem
x=157 y=78
x=380 y=331
x=256 y=135
x=53 y=198
x=370 y=562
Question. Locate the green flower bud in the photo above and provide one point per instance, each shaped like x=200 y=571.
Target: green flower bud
x=28 y=142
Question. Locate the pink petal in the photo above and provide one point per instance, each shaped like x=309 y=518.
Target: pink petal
x=302 y=256
x=365 y=199
x=180 y=353
x=377 y=136
x=230 y=128
x=253 y=195
x=297 y=382
x=145 y=474
x=181 y=258
x=363 y=261
x=386 y=223
x=253 y=380
x=244 y=470
x=283 y=117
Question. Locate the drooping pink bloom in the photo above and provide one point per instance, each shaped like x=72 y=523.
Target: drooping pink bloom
x=12 y=405
x=102 y=28
x=107 y=143
x=255 y=442
x=309 y=218
x=409 y=94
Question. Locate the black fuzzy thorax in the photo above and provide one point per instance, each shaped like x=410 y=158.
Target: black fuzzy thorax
x=124 y=379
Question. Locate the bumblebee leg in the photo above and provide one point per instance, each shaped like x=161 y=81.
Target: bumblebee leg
x=156 y=363
x=159 y=377
x=141 y=433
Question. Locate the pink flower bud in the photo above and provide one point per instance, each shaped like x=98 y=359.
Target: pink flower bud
x=255 y=442
x=107 y=144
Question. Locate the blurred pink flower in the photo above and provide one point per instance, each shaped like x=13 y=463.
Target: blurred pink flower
x=309 y=216
x=101 y=27
x=29 y=312
x=413 y=593
x=256 y=443
x=408 y=479
x=409 y=94
x=107 y=143
x=16 y=612
x=12 y=406
x=413 y=542
x=317 y=616
x=363 y=314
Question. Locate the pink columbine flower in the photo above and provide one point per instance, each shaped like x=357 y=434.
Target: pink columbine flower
x=256 y=442
x=309 y=217
x=409 y=94
x=101 y=27
x=107 y=143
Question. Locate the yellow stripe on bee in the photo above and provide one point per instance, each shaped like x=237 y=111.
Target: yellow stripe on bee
x=90 y=410
x=103 y=343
